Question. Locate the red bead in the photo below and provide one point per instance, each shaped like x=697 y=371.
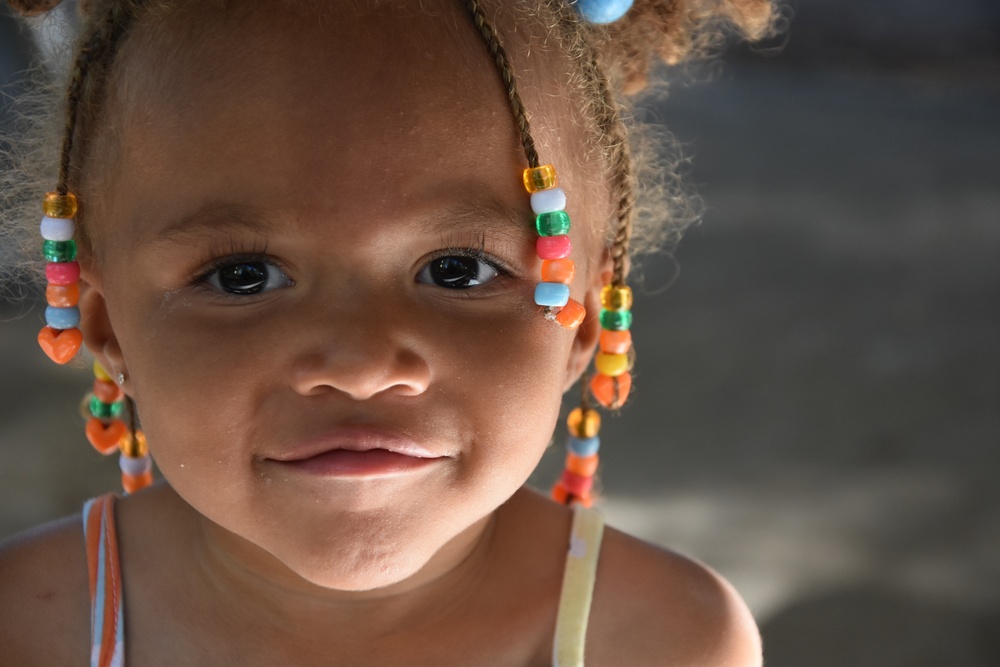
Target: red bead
x=553 y=247
x=578 y=485
x=107 y=392
x=62 y=273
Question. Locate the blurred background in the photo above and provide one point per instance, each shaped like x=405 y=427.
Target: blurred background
x=817 y=411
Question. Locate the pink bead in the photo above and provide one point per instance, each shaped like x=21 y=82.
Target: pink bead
x=553 y=247
x=62 y=273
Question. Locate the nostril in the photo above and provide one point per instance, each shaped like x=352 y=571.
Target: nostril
x=362 y=375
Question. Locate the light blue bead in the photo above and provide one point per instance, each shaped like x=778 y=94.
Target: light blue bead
x=584 y=446
x=62 y=318
x=548 y=201
x=551 y=294
x=603 y=11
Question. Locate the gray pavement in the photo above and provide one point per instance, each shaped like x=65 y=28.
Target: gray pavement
x=817 y=413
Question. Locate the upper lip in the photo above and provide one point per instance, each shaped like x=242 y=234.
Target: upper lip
x=357 y=439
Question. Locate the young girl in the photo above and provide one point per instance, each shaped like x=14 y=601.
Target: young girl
x=316 y=249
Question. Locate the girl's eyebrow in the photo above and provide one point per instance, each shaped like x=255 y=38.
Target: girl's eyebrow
x=216 y=218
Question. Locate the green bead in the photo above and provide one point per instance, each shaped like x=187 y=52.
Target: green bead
x=616 y=320
x=59 y=251
x=552 y=224
x=102 y=410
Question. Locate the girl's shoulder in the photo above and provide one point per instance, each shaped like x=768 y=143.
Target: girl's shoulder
x=653 y=606
x=44 y=595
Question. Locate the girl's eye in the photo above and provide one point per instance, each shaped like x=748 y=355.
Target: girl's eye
x=246 y=278
x=457 y=272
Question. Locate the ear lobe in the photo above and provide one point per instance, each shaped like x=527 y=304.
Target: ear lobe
x=589 y=331
x=98 y=334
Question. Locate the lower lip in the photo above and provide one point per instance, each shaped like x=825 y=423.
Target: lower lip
x=349 y=463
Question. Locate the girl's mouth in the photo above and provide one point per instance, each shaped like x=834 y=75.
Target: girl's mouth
x=358 y=452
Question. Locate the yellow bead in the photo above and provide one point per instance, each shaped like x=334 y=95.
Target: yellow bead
x=540 y=178
x=134 y=446
x=583 y=423
x=611 y=365
x=100 y=373
x=59 y=206
x=616 y=298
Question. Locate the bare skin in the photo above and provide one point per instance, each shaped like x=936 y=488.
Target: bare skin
x=344 y=156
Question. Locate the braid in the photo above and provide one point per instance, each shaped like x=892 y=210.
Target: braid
x=89 y=73
x=507 y=72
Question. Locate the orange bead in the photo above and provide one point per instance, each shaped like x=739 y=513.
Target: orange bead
x=611 y=392
x=571 y=315
x=61 y=345
x=615 y=342
x=560 y=494
x=584 y=466
x=583 y=423
x=540 y=178
x=105 y=437
x=56 y=205
x=558 y=271
x=132 y=483
x=108 y=392
x=62 y=296
x=585 y=501
x=136 y=446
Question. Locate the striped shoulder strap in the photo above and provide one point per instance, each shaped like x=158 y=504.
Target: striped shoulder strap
x=104 y=570
x=578 y=587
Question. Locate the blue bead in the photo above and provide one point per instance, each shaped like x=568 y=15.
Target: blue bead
x=62 y=318
x=551 y=294
x=584 y=446
x=603 y=11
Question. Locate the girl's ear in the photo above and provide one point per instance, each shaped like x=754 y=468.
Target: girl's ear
x=98 y=334
x=589 y=331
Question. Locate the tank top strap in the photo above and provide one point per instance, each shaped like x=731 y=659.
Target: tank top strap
x=577 y=587
x=104 y=573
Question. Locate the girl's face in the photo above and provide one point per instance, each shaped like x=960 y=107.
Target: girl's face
x=316 y=236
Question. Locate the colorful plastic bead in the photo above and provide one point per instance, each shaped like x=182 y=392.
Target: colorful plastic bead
x=583 y=446
x=553 y=295
x=135 y=465
x=571 y=315
x=62 y=318
x=611 y=392
x=583 y=423
x=62 y=296
x=134 y=445
x=107 y=391
x=56 y=205
x=60 y=345
x=102 y=410
x=57 y=229
x=540 y=178
x=59 y=251
x=616 y=320
x=62 y=273
x=585 y=466
x=615 y=342
x=611 y=365
x=603 y=11
x=105 y=436
x=553 y=247
x=560 y=494
x=133 y=483
x=100 y=373
x=616 y=298
x=578 y=485
x=552 y=224
x=558 y=270
x=547 y=201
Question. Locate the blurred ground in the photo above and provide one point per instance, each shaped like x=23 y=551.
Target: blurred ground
x=818 y=410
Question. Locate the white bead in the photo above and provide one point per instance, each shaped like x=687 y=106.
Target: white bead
x=135 y=467
x=548 y=201
x=57 y=229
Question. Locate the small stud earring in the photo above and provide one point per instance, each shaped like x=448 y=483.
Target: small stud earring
x=121 y=378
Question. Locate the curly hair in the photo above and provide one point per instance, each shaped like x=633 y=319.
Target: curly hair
x=612 y=64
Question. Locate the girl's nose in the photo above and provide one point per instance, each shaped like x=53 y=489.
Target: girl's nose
x=361 y=358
